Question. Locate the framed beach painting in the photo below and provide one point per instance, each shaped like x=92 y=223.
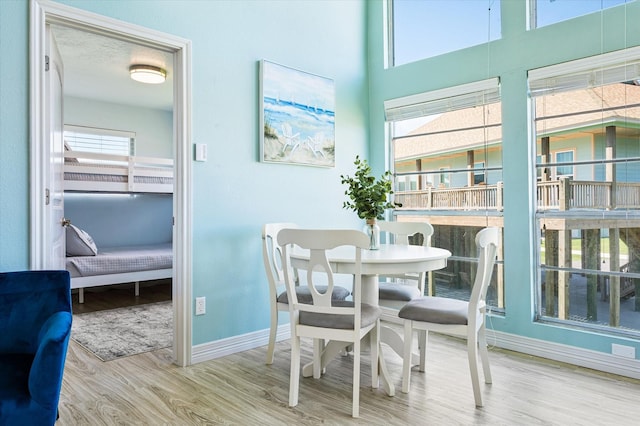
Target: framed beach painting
x=297 y=117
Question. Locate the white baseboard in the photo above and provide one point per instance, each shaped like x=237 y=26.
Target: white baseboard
x=564 y=353
x=235 y=344
x=558 y=352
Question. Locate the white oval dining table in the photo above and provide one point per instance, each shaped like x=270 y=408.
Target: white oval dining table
x=389 y=259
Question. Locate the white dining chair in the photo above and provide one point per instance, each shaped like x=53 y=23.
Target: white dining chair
x=272 y=258
x=327 y=319
x=395 y=291
x=456 y=317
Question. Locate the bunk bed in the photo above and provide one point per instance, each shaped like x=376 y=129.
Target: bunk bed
x=91 y=266
x=94 y=172
x=116 y=265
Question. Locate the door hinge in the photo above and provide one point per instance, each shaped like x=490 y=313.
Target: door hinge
x=46 y=62
x=47 y=197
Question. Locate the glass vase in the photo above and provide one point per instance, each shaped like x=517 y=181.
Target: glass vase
x=372 y=230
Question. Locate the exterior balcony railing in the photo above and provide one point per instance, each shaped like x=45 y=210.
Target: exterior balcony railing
x=481 y=197
x=562 y=194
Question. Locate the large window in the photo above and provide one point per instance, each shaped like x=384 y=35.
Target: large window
x=547 y=12
x=449 y=143
x=587 y=132
x=422 y=29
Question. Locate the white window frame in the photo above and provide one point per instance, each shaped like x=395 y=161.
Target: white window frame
x=610 y=68
x=388 y=15
x=532 y=13
x=555 y=175
x=108 y=135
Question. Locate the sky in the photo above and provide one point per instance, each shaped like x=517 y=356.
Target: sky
x=427 y=28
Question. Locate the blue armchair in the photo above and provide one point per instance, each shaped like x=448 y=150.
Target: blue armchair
x=35 y=325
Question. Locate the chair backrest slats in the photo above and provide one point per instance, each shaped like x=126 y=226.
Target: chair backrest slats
x=272 y=255
x=318 y=242
x=401 y=231
x=487 y=242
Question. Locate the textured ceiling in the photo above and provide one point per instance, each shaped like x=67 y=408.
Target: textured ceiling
x=97 y=67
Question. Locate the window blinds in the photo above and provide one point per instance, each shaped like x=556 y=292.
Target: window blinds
x=443 y=100
x=88 y=139
x=615 y=67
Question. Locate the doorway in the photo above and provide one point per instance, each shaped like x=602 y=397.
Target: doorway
x=49 y=13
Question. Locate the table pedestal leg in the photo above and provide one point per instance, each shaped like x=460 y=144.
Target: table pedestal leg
x=384 y=373
x=396 y=342
x=333 y=348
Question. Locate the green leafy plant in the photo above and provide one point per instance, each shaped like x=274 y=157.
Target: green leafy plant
x=368 y=197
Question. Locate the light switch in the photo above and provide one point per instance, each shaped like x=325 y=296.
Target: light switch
x=201 y=152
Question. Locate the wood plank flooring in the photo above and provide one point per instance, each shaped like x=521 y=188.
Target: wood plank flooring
x=121 y=295
x=147 y=389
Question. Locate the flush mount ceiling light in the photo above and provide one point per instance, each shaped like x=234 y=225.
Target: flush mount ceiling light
x=147 y=74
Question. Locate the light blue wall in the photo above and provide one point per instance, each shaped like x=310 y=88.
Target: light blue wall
x=509 y=58
x=233 y=193
x=153 y=127
x=122 y=219
x=14 y=135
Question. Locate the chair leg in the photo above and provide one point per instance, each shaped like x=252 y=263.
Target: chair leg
x=484 y=355
x=355 y=409
x=406 y=362
x=323 y=345
x=374 y=343
x=294 y=375
x=318 y=344
x=472 y=351
x=272 y=335
x=423 y=337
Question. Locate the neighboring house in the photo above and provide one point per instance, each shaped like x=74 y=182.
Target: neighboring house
x=571 y=127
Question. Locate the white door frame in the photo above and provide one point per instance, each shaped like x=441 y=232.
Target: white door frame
x=45 y=11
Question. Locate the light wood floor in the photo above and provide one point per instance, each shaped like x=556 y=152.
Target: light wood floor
x=240 y=389
x=116 y=296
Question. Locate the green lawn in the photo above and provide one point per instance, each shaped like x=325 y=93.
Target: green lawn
x=604 y=248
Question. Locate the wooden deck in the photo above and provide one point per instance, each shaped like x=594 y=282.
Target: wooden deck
x=591 y=209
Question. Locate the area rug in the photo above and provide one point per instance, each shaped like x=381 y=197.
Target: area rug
x=117 y=333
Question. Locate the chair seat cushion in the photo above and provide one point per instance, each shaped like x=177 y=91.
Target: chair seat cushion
x=304 y=294
x=369 y=315
x=393 y=291
x=439 y=310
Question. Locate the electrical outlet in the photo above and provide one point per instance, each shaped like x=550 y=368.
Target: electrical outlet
x=623 y=351
x=201 y=305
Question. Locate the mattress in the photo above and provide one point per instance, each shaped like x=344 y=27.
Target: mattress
x=93 y=177
x=116 y=173
x=115 y=260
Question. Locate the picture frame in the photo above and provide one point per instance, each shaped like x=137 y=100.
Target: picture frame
x=297 y=117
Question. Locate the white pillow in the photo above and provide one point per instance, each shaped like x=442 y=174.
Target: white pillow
x=79 y=243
